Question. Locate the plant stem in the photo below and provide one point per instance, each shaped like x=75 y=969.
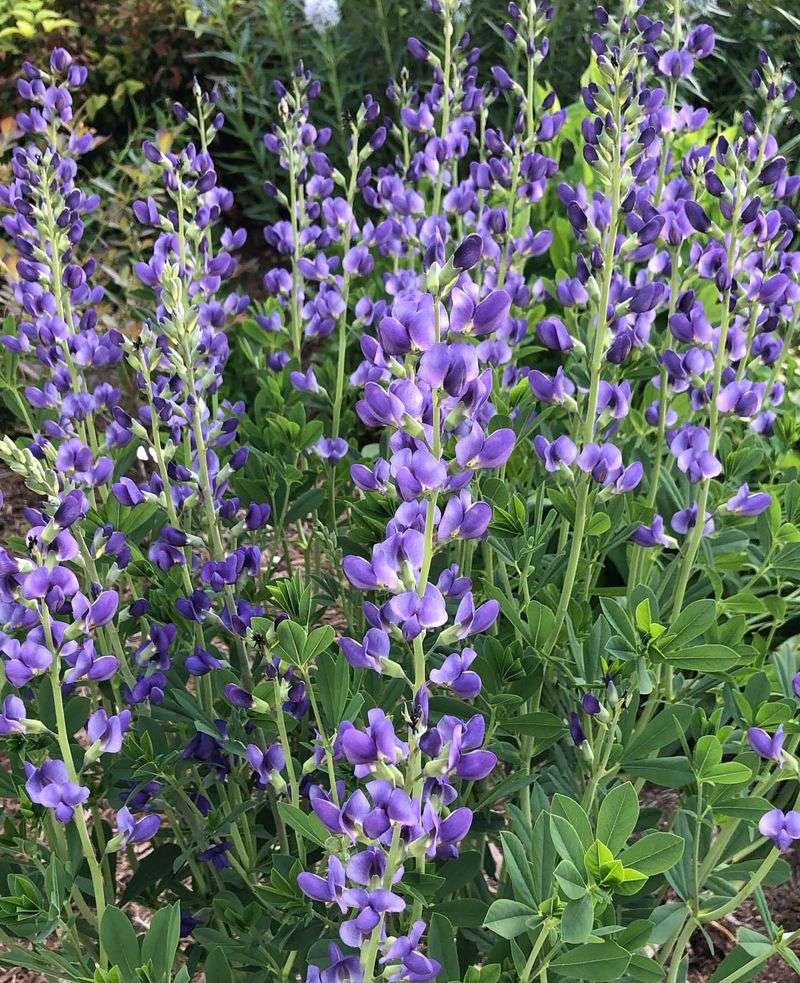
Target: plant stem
x=90 y=856
x=696 y=534
x=540 y=940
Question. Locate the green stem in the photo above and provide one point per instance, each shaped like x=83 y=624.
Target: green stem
x=62 y=733
x=720 y=360
x=678 y=952
x=743 y=893
x=540 y=940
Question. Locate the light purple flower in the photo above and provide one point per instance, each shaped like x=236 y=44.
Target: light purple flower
x=782 y=828
x=49 y=785
x=107 y=731
x=766 y=746
x=745 y=503
x=130 y=830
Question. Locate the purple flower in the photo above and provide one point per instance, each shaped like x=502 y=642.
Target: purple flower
x=690 y=445
x=471 y=316
x=554 y=335
x=216 y=855
x=676 y=64
x=49 y=785
x=95 y=614
x=107 y=731
x=557 y=390
x=766 y=746
x=341 y=969
x=457 y=748
x=330 y=889
x=470 y=620
x=744 y=503
x=24 y=660
x=476 y=450
x=371 y=653
x=378 y=743
x=12 y=718
x=456 y=674
x=686 y=519
x=266 y=764
x=201 y=661
x=130 y=830
x=462 y=519
x=653 y=535
x=701 y=40
x=372 y=906
x=468 y=252
x=414 y=613
x=304 y=382
x=590 y=704
x=782 y=828
x=415 y=966
x=556 y=454
x=443 y=836
x=331 y=448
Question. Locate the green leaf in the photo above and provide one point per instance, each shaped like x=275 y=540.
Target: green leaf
x=659 y=732
x=508 y=918
x=575 y=815
x=670 y=772
x=729 y=773
x=577 y=920
x=442 y=947
x=120 y=943
x=654 y=853
x=707 y=755
x=519 y=869
x=703 y=658
x=217 y=966
x=318 y=640
x=161 y=942
x=695 y=619
x=595 y=961
x=570 y=880
x=464 y=912
x=542 y=725
x=566 y=841
x=617 y=816
x=630 y=883
x=599 y=860
x=332 y=683
x=747 y=808
x=599 y=523
x=292 y=641
x=307 y=824
x=643 y=969
x=620 y=621
x=644 y=617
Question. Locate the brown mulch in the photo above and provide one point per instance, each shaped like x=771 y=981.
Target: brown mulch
x=784 y=904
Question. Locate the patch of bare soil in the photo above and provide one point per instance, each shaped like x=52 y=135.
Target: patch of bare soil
x=784 y=905
x=12 y=522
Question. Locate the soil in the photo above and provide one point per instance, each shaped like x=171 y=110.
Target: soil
x=784 y=903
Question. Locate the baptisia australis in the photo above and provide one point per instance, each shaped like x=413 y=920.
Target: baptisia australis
x=626 y=378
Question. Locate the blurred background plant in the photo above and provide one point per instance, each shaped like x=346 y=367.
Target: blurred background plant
x=143 y=54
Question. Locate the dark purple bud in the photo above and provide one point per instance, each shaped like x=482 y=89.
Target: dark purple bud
x=468 y=252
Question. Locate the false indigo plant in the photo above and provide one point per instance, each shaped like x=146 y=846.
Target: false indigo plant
x=366 y=675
